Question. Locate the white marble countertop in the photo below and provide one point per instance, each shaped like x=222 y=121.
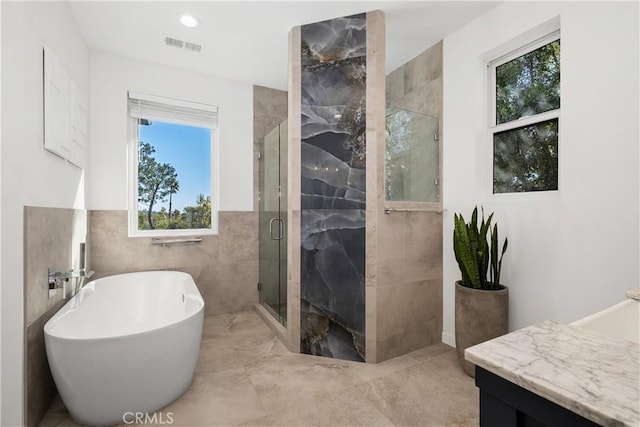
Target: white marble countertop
x=593 y=376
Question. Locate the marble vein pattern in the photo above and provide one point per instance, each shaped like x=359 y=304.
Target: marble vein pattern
x=333 y=114
x=333 y=187
x=592 y=376
x=332 y=271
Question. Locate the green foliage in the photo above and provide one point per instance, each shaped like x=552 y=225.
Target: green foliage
x=496 y=262
x=473 y=252
x=526 y=158
x=174 y=187
x=198 y=216
x=155 y=180
x=193 y=217
x=529 y=84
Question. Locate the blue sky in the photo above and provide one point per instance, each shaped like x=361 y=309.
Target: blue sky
x=188 y=149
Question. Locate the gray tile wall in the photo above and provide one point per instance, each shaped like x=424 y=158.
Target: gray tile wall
x=417 y=85
x=52 y=238
x=269 y=110
x=408 y=292
x=224 y=266
x=293 y=192
x=375 y=133
x=409 y=282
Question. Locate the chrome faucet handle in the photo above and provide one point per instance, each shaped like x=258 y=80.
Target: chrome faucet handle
x=52 y=276
x=57 y=276
x=56 y=280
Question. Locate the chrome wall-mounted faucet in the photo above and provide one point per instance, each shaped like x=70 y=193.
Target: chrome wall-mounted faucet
x=59 y=280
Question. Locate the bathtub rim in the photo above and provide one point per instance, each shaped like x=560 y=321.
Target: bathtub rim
x=48 y=325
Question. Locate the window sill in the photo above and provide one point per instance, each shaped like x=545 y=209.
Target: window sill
x=530 y=196
x=173 y=233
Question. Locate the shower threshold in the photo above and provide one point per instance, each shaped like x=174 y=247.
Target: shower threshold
x=269 y=316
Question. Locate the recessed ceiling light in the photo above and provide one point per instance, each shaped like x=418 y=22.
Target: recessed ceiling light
x=188 y=21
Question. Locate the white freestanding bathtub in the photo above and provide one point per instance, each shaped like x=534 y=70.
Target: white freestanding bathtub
x=620 y=321
x=125 y=344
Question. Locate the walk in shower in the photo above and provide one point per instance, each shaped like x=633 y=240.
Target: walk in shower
x=272 y=287
x=350 y=224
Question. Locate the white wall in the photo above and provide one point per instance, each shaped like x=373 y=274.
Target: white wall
x=29 y=174
x=0 y=211
x=112 y=76
x=574 y=252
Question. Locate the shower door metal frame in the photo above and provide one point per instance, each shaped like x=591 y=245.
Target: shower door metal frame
x=274 y=233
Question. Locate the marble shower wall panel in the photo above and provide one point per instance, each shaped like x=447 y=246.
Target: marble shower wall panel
x=333 y=114
x=332 y=274
x=333 y=187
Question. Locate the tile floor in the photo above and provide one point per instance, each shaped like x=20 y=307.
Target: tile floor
x=246 y=377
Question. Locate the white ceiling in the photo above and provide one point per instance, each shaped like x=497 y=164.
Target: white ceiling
x=247 y=41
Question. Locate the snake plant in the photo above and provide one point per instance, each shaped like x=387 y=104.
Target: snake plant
x=474 y=253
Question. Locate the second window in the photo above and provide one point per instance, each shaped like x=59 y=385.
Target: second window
x=525 y=91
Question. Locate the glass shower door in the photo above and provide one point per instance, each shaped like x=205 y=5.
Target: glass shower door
x=411 y=156
x=273 y=209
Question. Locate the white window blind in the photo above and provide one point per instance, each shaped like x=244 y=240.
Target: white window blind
x=151 y=107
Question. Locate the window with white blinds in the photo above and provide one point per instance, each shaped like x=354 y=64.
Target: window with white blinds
x=173 y=163
x=151 y=107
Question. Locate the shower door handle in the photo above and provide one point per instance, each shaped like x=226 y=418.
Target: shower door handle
x=280 y=229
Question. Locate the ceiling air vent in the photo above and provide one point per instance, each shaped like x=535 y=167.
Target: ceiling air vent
x=181 y=44
x=194 y=47
x=174 y=42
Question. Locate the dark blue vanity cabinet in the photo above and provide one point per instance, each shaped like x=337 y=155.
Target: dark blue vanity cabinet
x=505 y=404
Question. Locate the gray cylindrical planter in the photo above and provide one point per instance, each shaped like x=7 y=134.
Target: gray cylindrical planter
x=481 y=315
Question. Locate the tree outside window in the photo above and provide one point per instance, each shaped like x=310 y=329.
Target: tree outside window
x=525 y=129
x=174 y=189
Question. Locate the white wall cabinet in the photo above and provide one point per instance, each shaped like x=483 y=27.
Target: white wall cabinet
x=65 y=112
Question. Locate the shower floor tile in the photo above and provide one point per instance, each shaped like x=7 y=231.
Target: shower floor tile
x=246 y=377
